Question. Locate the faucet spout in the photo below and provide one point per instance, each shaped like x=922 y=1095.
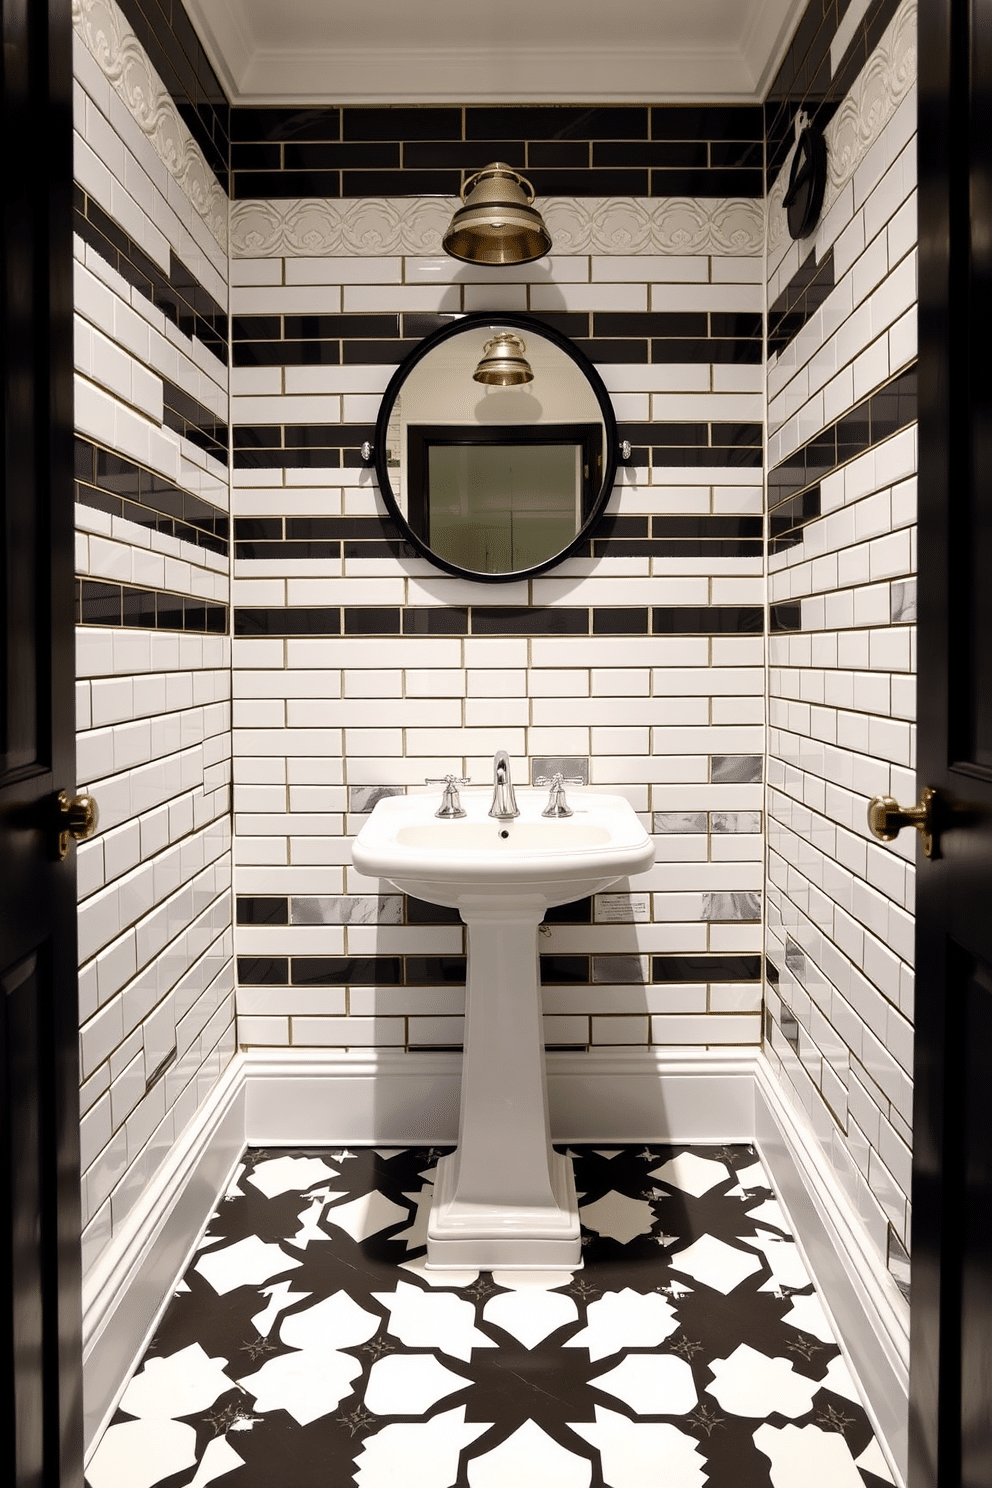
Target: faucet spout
x=504 y=806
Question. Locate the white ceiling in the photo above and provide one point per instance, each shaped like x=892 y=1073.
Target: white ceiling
x=494 y=51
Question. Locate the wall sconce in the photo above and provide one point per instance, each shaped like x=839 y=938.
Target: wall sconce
x=497 y=223
x=502 y=363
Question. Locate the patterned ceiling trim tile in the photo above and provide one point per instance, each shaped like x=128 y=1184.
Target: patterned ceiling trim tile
x=416 y=225
x=122 y=59
x=882 y=84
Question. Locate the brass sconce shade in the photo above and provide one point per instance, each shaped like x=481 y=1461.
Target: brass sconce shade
x=498 y=223
x=502 y=363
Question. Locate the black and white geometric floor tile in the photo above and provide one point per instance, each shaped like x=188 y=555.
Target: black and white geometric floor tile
x=307 y=1345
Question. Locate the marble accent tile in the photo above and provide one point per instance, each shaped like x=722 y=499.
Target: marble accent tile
x=739 y=905
x=735 y=821
x=679 y=821
x=363 y=797
x=347 y=909
x=620 y=969
x=902 y=601
x=795 y=959
x=737 y=769
x=575 y=769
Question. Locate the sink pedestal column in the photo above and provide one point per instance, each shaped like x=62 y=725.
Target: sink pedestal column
x=504 y=1199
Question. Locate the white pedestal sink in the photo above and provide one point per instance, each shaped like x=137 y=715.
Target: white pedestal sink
x=504 y=1198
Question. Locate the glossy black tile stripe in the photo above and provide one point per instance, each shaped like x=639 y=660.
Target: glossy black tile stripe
x=260 y=532
x=178 y=294
x=425 y=971
x=789 y=518
x=186 y=415
x=881 y=414
x=804 y=80
x=98 y=603
x=112 y=483
x=176 y=53
x=328 y=340
x=500 y=620
x=799 y=301
x=627 y=150
x=282 y=446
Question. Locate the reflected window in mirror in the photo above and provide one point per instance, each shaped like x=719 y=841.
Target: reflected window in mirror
x=504 y=498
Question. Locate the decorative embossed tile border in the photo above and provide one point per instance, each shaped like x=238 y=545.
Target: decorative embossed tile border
x=307 y=1344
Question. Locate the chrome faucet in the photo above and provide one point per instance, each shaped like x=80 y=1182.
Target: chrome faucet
x=557 y=805
x=504 y=806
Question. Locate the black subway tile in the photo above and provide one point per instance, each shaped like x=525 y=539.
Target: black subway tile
x=460 y=154
x=400 y=183
x=579 y=912
x=785 y=617
x=372 y=620
x=718 y=181
x=287 y=622
x=419 y=912
x=427 y=971
x=705 y=968
x=665 y=153
x=435 y=620
x=101 y=603
x=706 y=122
x=307 y=155
x=708 y=620
x=558 y=154
x=556 y=122
x=615 y=182
x=401 y=123
x=618 y=621
x=263 y=971
x=339 y=971
x=558 y=970
x=281 y=123
x=509 y=620
x=262 y=910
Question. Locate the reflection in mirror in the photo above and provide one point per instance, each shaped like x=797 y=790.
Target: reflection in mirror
x=494 y=481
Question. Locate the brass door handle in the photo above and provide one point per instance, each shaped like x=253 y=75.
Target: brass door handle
x=886 y=818
x=77 y=818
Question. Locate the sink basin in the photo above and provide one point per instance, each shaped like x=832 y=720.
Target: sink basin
x=477 y=859
x=505 y=1198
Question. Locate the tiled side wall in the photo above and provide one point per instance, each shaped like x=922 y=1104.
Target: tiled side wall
x=368 y=671
x=153 y=697
x=842 y=462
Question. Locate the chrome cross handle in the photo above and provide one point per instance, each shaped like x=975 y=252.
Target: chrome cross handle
x=557 y=805
x=450 y=806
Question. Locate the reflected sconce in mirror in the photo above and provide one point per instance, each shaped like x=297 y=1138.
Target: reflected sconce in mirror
x=497 y=222
x=503 y=363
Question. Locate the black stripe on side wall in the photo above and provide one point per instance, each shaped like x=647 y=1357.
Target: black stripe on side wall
x=178 y=294
x=499 y=620
x=112 y=483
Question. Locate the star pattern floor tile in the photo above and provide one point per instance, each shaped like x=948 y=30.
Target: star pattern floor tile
x=307 y=1345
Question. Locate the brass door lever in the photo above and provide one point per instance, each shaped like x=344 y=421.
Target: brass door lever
x=77 y=818
x=886 y=818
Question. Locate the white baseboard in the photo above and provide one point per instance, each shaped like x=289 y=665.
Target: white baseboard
x=316 y=1097
x=869 y=1313
x=126 y=1291
x=301 y=1097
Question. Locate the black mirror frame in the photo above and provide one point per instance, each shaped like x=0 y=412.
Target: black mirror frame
x=535 y=326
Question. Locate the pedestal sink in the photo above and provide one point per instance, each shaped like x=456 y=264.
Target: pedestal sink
x=504 y=1198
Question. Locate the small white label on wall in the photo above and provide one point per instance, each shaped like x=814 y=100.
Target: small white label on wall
x=622 y=908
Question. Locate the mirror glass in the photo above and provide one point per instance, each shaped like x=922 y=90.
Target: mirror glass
x=488 y=481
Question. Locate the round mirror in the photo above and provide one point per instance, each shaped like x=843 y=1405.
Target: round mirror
x=496 y=447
